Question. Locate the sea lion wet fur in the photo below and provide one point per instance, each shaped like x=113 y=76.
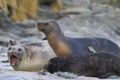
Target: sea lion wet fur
x=99 y=65
x=30 y=56
x=64 y=45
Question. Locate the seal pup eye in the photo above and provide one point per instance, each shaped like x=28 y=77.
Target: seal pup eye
x=19 y=49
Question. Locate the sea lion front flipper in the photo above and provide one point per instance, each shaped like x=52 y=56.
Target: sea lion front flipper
x=44 y=38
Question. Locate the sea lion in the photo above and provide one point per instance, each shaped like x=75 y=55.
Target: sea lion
x=64 y=45
x=30 y=56
x=99 y=65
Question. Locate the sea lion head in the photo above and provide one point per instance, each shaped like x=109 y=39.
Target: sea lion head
x=56 y=64
x=48 y=27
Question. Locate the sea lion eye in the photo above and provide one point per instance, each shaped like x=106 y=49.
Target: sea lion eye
x=9 y=48
x=19 y=49
x=46 y=24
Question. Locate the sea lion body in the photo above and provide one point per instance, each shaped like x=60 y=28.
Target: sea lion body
x=30 y=56
x=99 y=65
x=63 y=45
x=80 y=46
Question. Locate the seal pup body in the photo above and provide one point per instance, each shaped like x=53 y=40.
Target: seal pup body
x=99 y=65
x=30 y=56
x=63 y=45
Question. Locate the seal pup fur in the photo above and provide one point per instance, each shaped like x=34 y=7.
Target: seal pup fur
x=30 y=56
x=99 y=65
x=64 y=45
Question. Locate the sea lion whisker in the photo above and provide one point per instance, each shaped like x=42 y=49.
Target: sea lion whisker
x=36 y=25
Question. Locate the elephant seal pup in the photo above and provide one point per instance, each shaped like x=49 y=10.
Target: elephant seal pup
x=30 y=56
x=63 y=45
x=92 y=65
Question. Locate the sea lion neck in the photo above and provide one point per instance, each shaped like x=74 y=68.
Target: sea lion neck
x=58 y=42
x=54 y=35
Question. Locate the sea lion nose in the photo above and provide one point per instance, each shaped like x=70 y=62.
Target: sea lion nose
x=38 y=24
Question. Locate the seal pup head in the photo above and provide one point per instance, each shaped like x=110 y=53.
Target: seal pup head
x=29 y=56
x=15 y=53
x=48 y=27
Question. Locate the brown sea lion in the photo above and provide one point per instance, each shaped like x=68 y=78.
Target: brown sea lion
x=63 y=45
x=99 y=65
x=30 y=56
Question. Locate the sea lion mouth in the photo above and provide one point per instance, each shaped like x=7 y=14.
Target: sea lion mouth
x=13 y=60
x=46 y=27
